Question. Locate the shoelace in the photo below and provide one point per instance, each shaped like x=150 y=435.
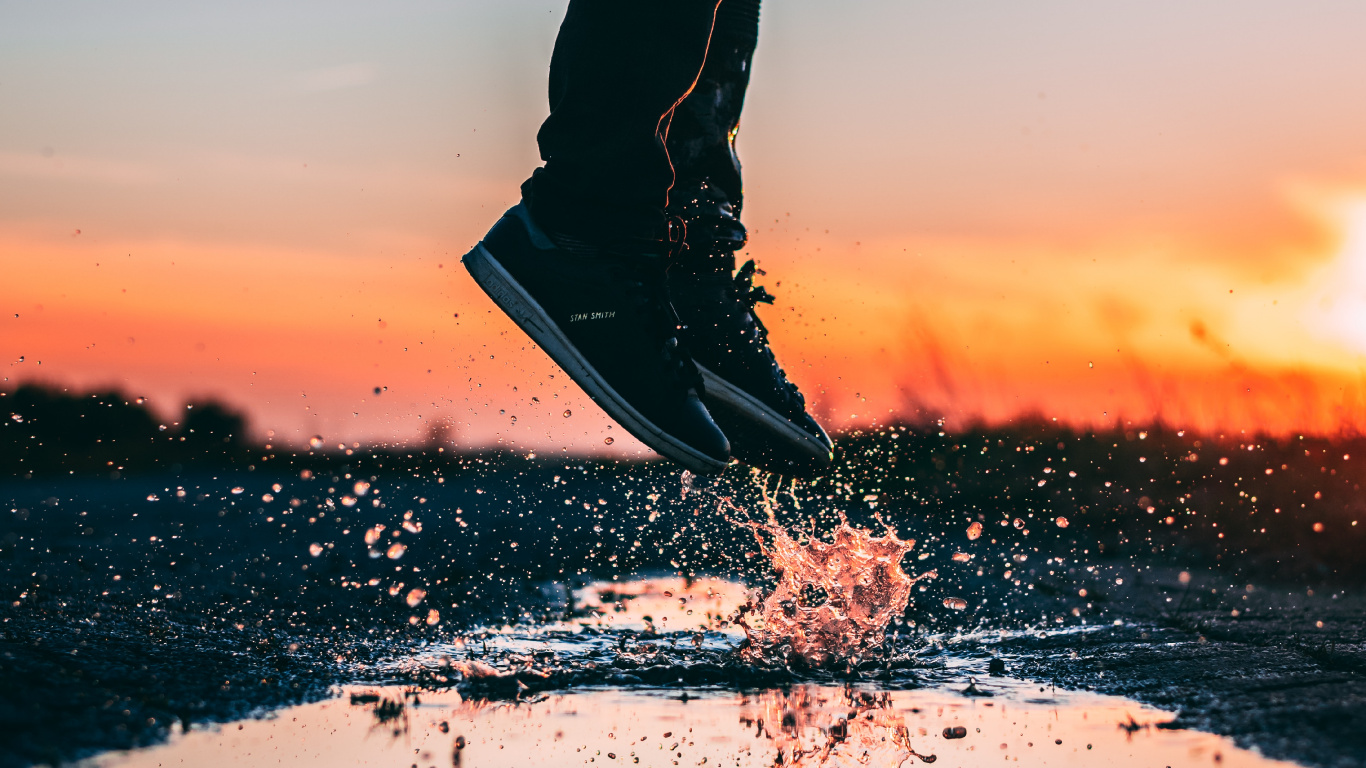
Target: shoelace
x=751 y=295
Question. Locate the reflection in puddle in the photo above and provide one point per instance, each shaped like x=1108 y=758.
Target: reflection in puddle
x=665 y=604
x=667 y=624
x=807 y=725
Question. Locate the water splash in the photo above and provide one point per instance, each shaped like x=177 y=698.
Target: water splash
x=833 y=599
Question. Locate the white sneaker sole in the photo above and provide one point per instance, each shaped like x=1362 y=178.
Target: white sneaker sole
x=721 y=394
x=510 y=297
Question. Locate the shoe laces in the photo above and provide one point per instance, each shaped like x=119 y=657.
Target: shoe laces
x=750 y=296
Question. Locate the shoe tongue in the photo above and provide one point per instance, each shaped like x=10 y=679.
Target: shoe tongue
x=712 y=241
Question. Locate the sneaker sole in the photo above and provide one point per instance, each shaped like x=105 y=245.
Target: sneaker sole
x=510 y=297
x=721 y=394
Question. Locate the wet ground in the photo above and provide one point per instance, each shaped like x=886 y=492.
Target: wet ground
x=146 y=608
x=806 y=724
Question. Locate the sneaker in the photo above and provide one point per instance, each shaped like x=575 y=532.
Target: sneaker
x=745 y=389
x=604 y=317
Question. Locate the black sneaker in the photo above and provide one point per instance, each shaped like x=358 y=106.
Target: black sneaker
x=605 y=319
x=746 y=391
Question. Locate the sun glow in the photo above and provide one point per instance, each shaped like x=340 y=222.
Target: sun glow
x=970 y=232
x=1337 y=305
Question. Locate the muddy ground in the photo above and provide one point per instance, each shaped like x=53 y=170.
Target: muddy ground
x=130 y=602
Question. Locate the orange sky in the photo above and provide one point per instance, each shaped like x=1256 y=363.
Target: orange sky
x=1130 y=212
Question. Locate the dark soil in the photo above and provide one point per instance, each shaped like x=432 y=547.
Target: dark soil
x=121 y=615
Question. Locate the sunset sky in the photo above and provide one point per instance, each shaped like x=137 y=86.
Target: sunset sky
x=1090 y=211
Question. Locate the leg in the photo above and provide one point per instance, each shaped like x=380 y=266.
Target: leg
x=708 y=192
x=618 y=70
x=578 y=264
x=746 y=392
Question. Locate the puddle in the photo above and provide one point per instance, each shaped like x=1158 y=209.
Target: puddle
x=660 y=627
x=804 y=725
x=663 y=604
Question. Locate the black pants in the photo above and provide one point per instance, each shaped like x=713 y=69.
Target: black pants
x=645 y=100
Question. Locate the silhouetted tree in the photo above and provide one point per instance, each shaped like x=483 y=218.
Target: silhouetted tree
x=51 y=429
x=210 y=426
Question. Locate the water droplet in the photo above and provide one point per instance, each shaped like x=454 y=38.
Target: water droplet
x=1062 y=522
x=1018 y=523
x=608 y=441
x=315 y=442
x=238 y=490
x=361 y=488
x=315 y=549
x=372 y=535
x=415 y=596
x=396 y=551
x=961 y=557
x=956 y=603
x=974 y=531
x=568 y=413
x=433 y=617
x=955 y=732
